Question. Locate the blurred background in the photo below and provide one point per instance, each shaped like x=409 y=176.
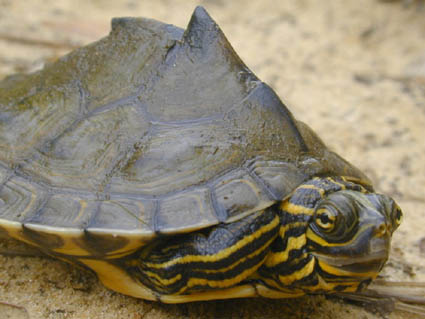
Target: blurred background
x=352 y=70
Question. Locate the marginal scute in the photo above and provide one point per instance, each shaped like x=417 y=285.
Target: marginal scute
x=65 y=211
x=279 y=177
x=238 y=194
x=101 y=244
x=185 y=212
x=133 y=215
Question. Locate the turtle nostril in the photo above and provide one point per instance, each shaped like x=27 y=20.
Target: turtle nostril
x=381 y=230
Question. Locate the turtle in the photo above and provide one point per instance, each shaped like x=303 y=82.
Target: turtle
x=157 y=159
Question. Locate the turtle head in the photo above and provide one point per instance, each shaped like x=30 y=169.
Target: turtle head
x=349 y=235
x=336 y=236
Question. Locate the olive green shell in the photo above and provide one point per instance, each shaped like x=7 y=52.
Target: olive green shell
x=149 y=130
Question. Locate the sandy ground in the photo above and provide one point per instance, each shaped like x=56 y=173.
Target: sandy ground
x=352 y=70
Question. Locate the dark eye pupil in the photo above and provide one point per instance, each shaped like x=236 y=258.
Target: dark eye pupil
x=398 y=214
x=324 y=219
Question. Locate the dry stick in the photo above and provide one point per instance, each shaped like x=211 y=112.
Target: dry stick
x=38 y=42
x=20 y=308
x=403 y=296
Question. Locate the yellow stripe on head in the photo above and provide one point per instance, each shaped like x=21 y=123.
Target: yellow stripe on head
x=311 y=235
x=345 y=273
x=296 y=209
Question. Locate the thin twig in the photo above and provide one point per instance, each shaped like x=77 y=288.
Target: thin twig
x=20 y=308
x=38 y=42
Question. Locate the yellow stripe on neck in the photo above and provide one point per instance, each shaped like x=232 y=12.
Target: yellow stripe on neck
x=163 y=281
x=280 y=257
x=242 y=260
x=322 y=242
x=320 y=190
x=221 y=283
x=222 y=254
x=298 y=274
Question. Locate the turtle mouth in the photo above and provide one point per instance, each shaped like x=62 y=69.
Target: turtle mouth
x=366 y=265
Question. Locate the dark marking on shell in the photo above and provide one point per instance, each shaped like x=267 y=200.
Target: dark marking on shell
x=101 y=244
x=43 y=240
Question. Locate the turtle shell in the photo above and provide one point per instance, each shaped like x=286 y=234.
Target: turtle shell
x=151 y=130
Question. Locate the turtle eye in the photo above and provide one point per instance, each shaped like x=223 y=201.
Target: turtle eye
x=325 y=220
x=397 y=215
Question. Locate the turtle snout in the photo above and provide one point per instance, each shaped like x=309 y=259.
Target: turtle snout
x=380 y=243
x=384 y=229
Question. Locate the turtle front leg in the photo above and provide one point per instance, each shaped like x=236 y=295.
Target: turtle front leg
x=214 y=259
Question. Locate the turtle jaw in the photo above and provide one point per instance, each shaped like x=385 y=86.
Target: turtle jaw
x=374 y=256
x=365 y=266
x=351 y=272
